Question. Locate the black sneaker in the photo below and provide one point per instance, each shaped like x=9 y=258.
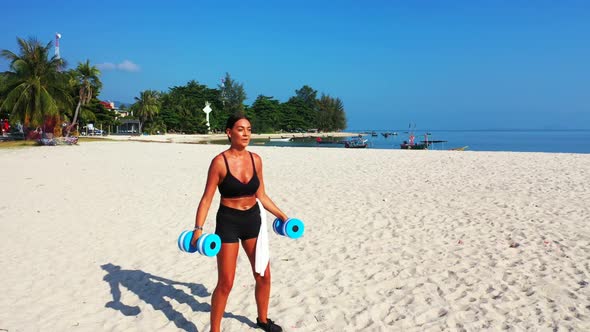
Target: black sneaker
x=269 y=326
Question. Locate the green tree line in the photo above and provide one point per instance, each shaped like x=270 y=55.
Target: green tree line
x=38 y=92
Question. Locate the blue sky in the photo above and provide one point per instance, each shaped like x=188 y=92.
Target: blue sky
x=439 y=64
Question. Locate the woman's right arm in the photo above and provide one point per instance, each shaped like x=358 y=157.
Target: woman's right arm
x=213 y=178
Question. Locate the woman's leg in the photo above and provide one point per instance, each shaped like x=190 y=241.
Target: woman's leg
x=226 y=271
x=262 y=292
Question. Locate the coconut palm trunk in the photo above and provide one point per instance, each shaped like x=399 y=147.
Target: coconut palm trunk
x=74 y=121
x=87 y=77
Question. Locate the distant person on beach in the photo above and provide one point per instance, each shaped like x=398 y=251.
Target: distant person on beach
x=238 y=175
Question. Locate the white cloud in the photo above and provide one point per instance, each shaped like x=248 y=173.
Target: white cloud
x=128 y=66
x=123 y=66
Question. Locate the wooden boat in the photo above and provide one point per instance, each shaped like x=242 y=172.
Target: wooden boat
x=423 y=145
x=70 y=140
x=411 y=145
x=46 y=141
x=282 y=139
x=357 y=143
x=414 y=146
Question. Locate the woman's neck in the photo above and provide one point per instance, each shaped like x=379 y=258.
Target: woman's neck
x=237 y=151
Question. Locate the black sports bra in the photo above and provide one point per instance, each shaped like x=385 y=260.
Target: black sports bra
x=231 y=187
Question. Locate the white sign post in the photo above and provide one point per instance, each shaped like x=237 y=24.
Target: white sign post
x=208 y=110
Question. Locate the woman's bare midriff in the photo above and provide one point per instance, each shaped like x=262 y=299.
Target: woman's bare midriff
x=239 y=203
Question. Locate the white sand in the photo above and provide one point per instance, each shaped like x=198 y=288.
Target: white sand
x=395 y=240
x=194 y=138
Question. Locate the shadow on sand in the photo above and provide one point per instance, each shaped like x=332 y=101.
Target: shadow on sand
x=154 y=291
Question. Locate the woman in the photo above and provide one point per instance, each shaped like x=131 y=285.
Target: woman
x=238 y=175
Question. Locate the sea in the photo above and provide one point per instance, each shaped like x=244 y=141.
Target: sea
x=555 y=141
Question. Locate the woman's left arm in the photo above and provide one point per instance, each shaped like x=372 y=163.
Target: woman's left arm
x=268 y=204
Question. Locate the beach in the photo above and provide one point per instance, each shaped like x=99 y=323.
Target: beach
x=208 y=138
x=395 y=240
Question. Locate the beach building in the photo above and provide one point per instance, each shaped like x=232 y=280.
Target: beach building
x=126 y=126
x=111 y=106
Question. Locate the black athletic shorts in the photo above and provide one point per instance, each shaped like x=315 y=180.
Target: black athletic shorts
x=233 y=224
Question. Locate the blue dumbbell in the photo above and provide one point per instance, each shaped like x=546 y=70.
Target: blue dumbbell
x=207 y=244
x=291 y=228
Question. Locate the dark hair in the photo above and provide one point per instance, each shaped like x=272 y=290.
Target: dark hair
x=231 y=121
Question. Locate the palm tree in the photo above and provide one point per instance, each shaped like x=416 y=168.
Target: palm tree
x=88 y=81
x=34 y=87
x=331 y=115
x=146 y=106
x=232 y=95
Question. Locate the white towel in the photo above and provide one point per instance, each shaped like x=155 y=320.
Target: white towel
x=262 y=252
